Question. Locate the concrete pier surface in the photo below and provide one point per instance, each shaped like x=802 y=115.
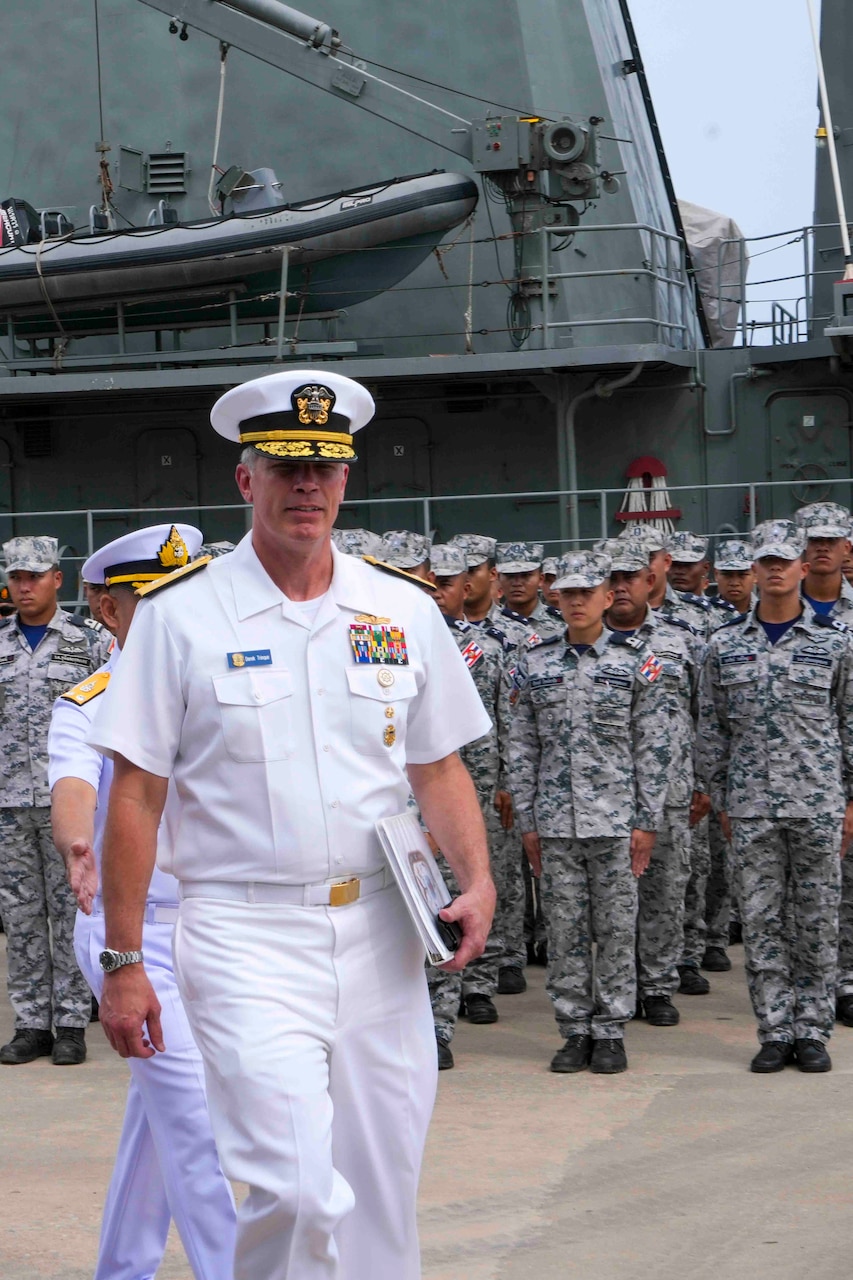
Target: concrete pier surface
x=687 y=1167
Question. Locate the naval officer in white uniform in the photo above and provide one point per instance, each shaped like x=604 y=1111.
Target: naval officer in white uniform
x=166 y=1165
x=294 y=695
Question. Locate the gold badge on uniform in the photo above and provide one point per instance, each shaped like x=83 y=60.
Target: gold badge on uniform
x=313 y=404
x=389 y=713
x=173 y=554
x=389 y=737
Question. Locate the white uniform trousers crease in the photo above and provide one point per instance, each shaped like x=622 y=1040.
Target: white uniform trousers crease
x=316 y=1032
x=167 y=1165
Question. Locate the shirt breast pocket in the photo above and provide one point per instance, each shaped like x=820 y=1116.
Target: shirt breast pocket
x=808 y=689
x=378 y=712
x=256 y=714
x=548 y=705
x=611 y=704
x=64 y=674
x=740 y=682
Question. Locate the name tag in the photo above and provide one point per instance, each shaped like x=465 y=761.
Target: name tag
x=732 y=659
x=813 y=659
x=250 y=658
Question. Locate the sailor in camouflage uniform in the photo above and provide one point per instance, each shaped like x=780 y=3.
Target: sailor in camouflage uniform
x=590 y=746
x=776 y=733
x=483 y=651
x=43 y=652
x=660 y=917
x=826 y=527
x=405 y=550
x=358 y=542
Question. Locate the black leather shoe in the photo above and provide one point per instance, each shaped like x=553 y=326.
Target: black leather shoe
x=69 y=1049
x=574 y=1055
x=608 y=1057
x=844 y=1010
x=692 y=983
x=660 y=1011
x=774 y=1055
x=445 y=1057
x=811 y=1055
x=715 y=960
x=480 y=1010
x=27 y=1044
x=511 y=981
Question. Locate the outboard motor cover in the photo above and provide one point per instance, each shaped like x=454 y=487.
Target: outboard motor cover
x=19 y=223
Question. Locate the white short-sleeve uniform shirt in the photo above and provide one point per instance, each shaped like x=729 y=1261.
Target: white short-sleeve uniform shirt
x=284 y=750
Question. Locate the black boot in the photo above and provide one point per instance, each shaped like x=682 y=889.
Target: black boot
x=480 y=1010
x=70 y=1047
x=660 y=1011
x=27 y=1044
x=574 y=1055
x=692 y=983
x=608 y=1057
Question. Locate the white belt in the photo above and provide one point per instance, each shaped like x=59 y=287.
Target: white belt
x=155 y=912
x=328 y=894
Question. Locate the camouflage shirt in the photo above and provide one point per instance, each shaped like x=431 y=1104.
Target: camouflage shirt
x=842 y=610
x=589 y=743
x=483 y=651
x=776 y=721
x=30 y=683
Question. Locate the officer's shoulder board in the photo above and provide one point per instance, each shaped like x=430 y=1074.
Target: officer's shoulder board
x=717 y=602
x=674 y=620
x=636 y=641
x=457 y=624
x=400 y=574
x=501 y=636
x=736 y=621
x=506 y=612
x=553 y=612
x=178 y=575
x=821 y=620
x=87 y=689
x=689 y=598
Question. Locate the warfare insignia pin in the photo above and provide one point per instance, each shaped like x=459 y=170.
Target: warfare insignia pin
x=389 y=737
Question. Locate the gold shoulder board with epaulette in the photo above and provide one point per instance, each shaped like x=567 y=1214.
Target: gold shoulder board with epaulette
x=179 y=575
x=88 y=689
x=400 y=573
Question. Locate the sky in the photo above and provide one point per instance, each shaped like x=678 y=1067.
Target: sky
x=734 y=86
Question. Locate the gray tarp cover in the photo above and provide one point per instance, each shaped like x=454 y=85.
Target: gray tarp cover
x=705 y=232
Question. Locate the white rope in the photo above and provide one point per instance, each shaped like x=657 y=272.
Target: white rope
x=223 y=55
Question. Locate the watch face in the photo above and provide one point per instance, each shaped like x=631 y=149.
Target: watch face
x=107 y=961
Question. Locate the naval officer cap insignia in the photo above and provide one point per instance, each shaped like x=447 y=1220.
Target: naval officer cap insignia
x=686 y=547
x=824 y=520
x=447 y=561
x=779 y=538
x=519 y=557
x=585 y=569
x=733 y=556
x=144 y=556
x=31 y=555
x=301 y=414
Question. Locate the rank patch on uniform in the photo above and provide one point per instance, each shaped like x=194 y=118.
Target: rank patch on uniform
x=250 y=658
x=472 y=653
x=651 y=668
x=378 y=643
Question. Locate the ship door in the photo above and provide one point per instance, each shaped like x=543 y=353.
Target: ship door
x=167 y=472
x=398 y=466
x=810 y=444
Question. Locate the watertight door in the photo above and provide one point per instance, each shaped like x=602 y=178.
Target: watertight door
x=809 y=444
x=167 y=471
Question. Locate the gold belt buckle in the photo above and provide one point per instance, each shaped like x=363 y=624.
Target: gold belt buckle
x=344 y=892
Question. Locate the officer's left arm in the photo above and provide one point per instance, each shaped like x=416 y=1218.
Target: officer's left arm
x=448 y=803
x=72 y=818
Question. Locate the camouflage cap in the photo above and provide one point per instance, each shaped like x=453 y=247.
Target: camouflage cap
x=447 y=561
x=653 y=540
x=686 y=547
x=216 y=549
x=824 y=520
x=549 y=566
x=403 y=549
x=357 y=542
x=582 y=569
x=733 y=556
x=627 y=555
x=779 y=538
x=31 y=555
x=478 y=547
x=519 y=557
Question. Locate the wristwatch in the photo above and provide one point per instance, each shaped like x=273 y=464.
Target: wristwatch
x=110 y=960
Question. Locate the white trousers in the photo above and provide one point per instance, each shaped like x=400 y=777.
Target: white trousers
x=166 y=1165
x=316 y=1032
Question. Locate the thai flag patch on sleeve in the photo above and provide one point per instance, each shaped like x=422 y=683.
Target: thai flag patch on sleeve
x=472 y=653
x=651 y=668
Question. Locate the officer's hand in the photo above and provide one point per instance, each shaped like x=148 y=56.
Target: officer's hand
x=533 y=849
x=642 y=843
x=129 y=1012
x=503 y=804
x=700 y=807
x=434 y=849
x=82 y=873
x=727 y=826
x=473 y=912
x=847 y=828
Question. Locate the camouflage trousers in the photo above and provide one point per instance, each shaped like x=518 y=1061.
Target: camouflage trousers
x=660 y=913
x=589 y=891
x=480 y=977
x=788 y=882
x=508 y=855
x=694 y=896
x=844 y=977
x=38 y=908
x=719 y=891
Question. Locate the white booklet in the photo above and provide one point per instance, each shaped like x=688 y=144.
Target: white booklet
x=418 y=878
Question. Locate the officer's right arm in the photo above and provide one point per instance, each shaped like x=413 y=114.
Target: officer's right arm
x=72 y=819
